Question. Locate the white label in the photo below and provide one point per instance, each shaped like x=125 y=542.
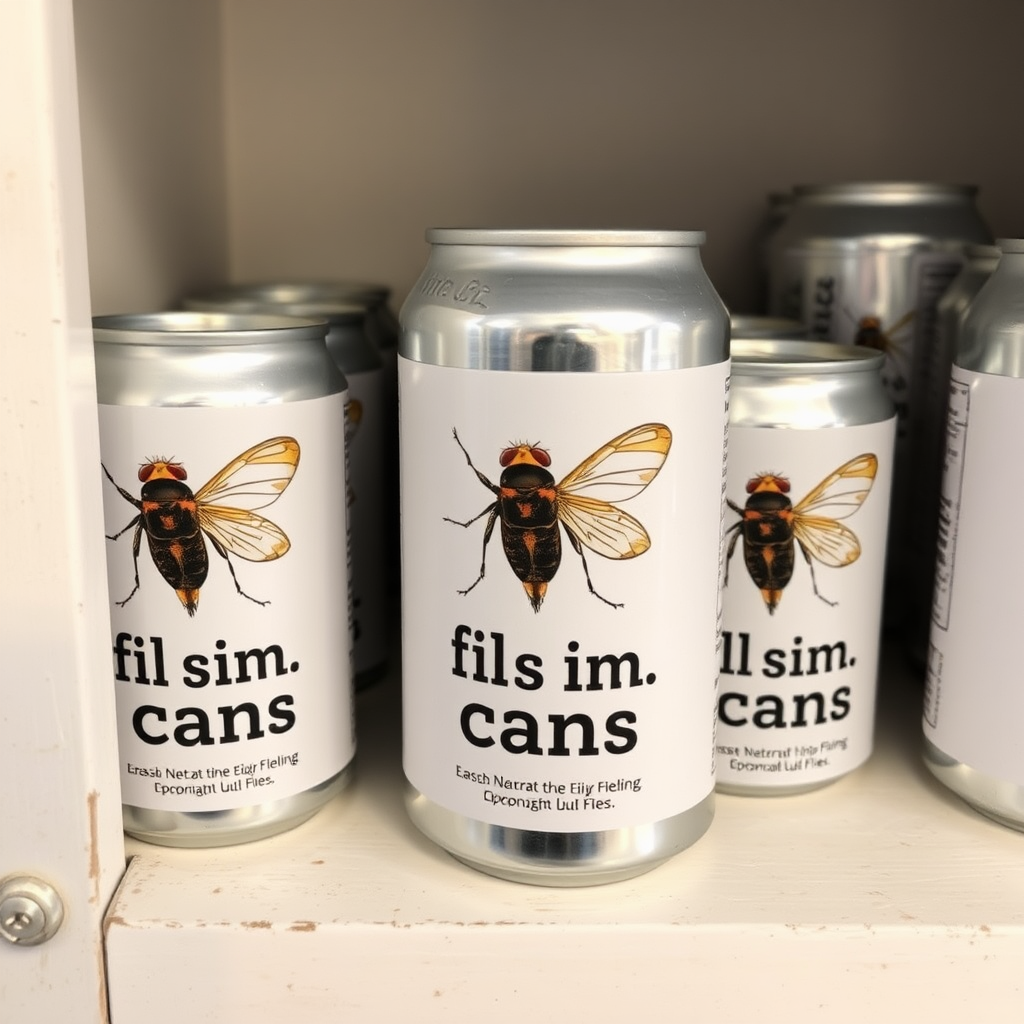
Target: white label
x=367 y=465
x=974 y=701
x=230 y=629
x=548 y=706
x=805 y=548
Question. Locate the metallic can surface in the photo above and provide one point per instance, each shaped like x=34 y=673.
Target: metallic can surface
x=559 y=729
x=801 y=634
x=767 y=327
x=347 y=308
x=866 y=263
x=981 y=260
x=974 y=702
x=231 y=650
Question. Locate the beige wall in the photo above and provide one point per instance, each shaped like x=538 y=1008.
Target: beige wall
x=352 y=125
x=151 y=107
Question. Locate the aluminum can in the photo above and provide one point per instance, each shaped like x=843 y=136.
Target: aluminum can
x=230 y=617
x=370 y=410
x=811 y=436
x=558 y=729
x=981 y=260
x=974 y=702
x=766 y=327
x=866 y=263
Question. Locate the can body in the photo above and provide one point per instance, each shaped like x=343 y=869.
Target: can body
x=811 y=438
x=558 y=728
x=350 y=341
x=768 y=327
x=866 y=264
x=230 y=619
x=981 y=260
x=973 y=699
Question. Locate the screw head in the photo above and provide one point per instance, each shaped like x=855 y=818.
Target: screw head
x=31 y=911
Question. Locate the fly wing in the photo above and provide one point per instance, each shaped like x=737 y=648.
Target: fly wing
x=623 y=467
x=602 y=527
x=254 y=479
x=617 y=471
x=225 y=504
x=245 y=534
x=841 y=493
x=829 y=542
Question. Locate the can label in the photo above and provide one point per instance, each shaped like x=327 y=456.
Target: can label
x=228 y=576
x=805 y=556
x=561 y=561
x=974 y=702
x=367 y=466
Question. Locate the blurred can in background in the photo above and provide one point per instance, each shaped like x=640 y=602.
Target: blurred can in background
x=811 y=434
x=563 y=421
x=347 y=310
x=981 y=260
x=974 y=701
x=866 y=263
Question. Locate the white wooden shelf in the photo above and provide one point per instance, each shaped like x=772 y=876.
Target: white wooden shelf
x=879 y=895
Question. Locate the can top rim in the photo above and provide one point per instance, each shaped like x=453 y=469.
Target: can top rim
x=286 y=292
x=885 y=191
x=275 y=299
x=1010 y=244
x=563 y=237
x=176 y=327
x=777 y=357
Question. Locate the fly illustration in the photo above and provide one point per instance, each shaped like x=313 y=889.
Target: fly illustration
x=175 y=520
x=772 y=526
x=530 y=506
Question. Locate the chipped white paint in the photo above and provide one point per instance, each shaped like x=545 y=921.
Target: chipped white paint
x=60 y=809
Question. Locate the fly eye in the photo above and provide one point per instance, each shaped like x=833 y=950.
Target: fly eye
x=507 y=456
x=541 y=457
x=146 y=471
x=783 y=484
x=177 y=471
x=752 y=484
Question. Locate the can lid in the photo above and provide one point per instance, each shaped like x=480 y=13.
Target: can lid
x=774 y=357
x=562 y=237
x=294 y=300
x=1013 y=245
x=884 y=191
x=162 y=328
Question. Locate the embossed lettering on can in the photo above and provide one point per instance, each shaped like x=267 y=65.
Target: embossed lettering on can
x=222 y=441
x=563 y=404
x=810 y=462
x=974 y=702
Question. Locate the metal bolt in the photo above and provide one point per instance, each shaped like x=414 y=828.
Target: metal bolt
x=31 y=911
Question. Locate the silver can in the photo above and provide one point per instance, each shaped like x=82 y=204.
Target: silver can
x=231 y=623
x=974 y=702
x=811 y=436
x=765 y=327
x=866 y=263
x=981 y=260
x=559 y=729
x=347 y=308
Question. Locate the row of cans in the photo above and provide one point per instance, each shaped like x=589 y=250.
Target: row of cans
x=557 y=731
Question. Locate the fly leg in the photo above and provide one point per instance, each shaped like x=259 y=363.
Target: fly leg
x=487 y=483
x=492 y=512
x=735 y=531
x=578 y=548
x=219 y=548
x=814 y=582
